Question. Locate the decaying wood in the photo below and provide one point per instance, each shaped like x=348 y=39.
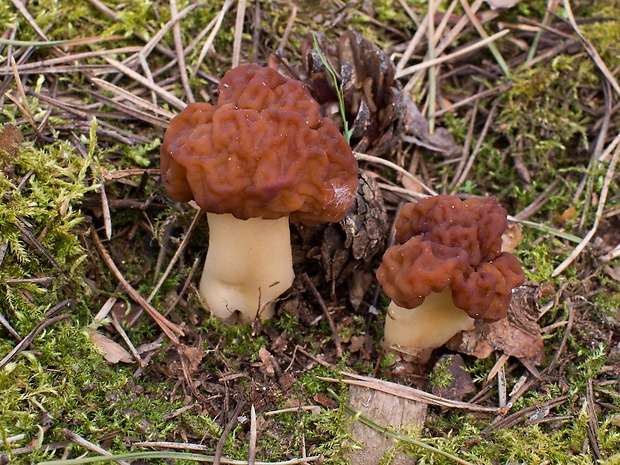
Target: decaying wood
x=386 y=410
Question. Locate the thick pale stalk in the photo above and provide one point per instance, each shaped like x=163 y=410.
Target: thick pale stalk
x=249 y=265
x=428 y=326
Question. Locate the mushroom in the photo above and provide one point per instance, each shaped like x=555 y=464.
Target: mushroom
x=446 y=270
x=262 y=155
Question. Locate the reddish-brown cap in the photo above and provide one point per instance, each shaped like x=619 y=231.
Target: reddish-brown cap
x=263 y=151
x=445 y=243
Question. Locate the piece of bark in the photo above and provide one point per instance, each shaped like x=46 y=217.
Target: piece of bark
x=388 y=411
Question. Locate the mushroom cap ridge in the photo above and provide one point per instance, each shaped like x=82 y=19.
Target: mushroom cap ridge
x=262 y=151
x=451 y=244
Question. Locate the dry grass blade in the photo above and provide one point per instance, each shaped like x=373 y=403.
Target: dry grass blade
x=173 y=445
x=163 y=93
x=43 y=64
x=413 y=44
x=120 y=174
x=432 y=70
x=131 y=112
x=239 y=19
x=211 y=38
x=166 y=326
x=394 y=166
x=103 y=9
x=289 y=29
x=551 y=5
x=29 y=237
x=591 y=49
x=176 y=256
x=458 y=28
x=75 y=438
x=186 y=285
x=178 y=43
x=92 y=69
x=593 y=426
x=410 y=393
x=252 y=443
x=51 y=318
x=4 y=322
x=464 y=51
x=23 y=106
x=611 y=169
x=49 y=447
x=537 y=203
x=64 y=43
x=479 y=96
x=26 y=14
x=105 y=207
x=470 y=162
x=498 y=56
x=152 y=43
x=105 y=85
x=219 y=449
x=119 y=329
x=523 y=414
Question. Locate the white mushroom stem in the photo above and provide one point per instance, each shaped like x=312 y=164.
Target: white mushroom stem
x=249 y=265
x=432 y=324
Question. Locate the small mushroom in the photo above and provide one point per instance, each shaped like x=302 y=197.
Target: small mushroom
x=446 y=270
x=262 y=155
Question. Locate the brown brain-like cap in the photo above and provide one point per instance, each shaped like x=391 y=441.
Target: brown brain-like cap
x=263 y=151
x=445 y=243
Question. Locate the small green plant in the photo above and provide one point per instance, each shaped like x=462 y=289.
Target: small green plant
x=347 y=132
x=440 y=376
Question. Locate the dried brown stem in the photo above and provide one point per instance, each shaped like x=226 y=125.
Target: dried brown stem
x=328 y=316
x=166 y=326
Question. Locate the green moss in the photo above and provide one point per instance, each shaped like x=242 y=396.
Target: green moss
x=440 y=376
x=603 y=31
x=541 y=115
x=475 y=442
x=538 y=257
x=62 y=371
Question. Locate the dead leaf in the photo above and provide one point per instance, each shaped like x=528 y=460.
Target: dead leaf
x=357 y=343
x=265 y=357
x=111 y=351
x=517 y=335
x=417 y=132
x=183 y=361
x=568 y=214
x=325 y=401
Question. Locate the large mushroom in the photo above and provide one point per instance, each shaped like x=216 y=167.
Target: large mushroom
x=446 y=270
x=262 y=155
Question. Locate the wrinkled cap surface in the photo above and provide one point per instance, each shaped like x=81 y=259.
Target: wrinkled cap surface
x=262 y=151
x=445 y=243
